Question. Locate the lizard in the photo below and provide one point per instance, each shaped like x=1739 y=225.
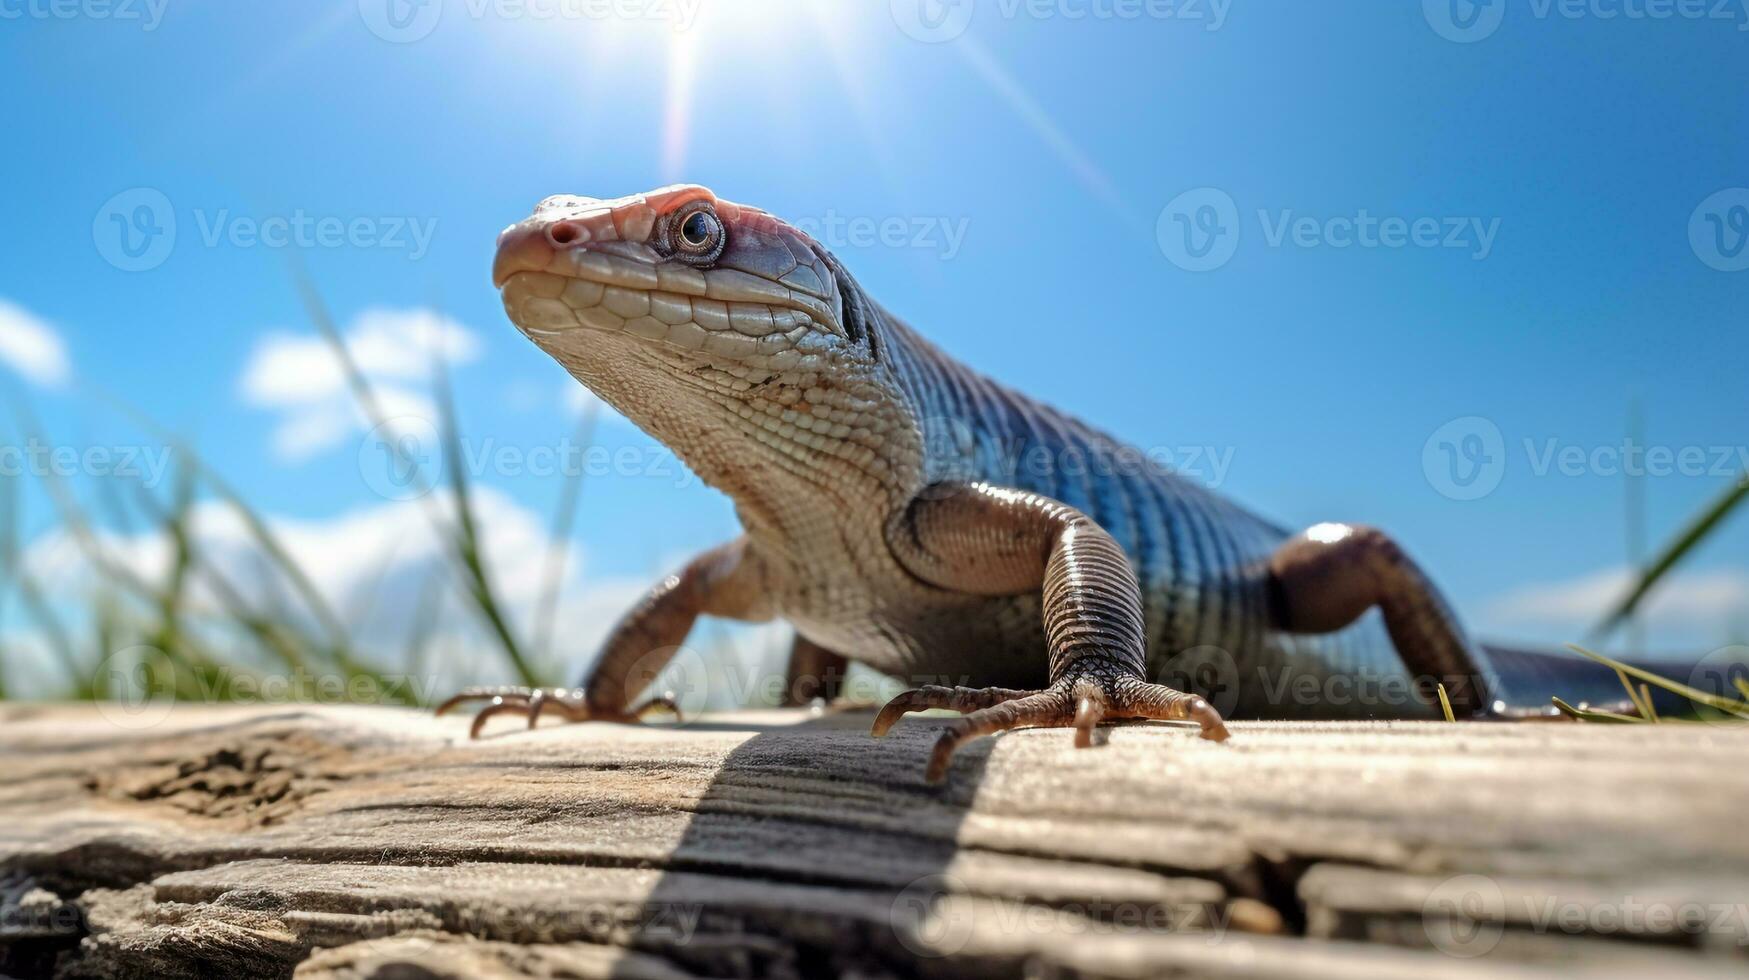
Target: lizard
x=904 y=511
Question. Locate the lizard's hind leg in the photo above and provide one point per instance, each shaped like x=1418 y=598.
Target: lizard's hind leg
x=1330 y=574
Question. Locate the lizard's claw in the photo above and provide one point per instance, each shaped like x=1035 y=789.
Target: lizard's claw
x=532 y=702
x=1081 y=703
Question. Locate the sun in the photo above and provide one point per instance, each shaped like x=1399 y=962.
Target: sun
x=679 y=45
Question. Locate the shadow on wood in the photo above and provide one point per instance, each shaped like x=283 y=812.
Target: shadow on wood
x=358 y=842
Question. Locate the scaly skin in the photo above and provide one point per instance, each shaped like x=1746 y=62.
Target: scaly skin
x=911 y=514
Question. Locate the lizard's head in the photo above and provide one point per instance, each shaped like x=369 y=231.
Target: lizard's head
x=714 y=326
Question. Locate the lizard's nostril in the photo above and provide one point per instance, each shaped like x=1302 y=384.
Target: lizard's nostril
x=565 y=232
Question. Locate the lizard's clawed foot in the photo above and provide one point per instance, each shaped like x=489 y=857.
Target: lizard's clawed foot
x=1078 y=702
x=532 y=702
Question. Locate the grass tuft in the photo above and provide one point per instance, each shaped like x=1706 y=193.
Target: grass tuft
x=1641 y=695
x=208 y=648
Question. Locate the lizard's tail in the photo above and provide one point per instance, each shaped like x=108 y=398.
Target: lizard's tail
x=1527 y=679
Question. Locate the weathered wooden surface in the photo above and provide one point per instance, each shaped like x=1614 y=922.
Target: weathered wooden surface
x=381 y=843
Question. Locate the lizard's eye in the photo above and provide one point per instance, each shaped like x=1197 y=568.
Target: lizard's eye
x=696 y=234
x=699 y=232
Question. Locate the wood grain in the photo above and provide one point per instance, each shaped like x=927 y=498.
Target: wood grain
x=375 y=842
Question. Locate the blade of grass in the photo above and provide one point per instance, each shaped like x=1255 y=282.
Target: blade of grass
x=73 y=518
x=339 y=638
x=467 y=541
x=1738 y=708
x=268 y=633
x=31 y=597
x=1650 y=708
x=1584 y=714
x=1633 y=695
x=174 y=591
x=1690 y=537
x=1445 y=704
x=463 y=537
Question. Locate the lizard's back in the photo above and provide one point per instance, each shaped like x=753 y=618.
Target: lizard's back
x=1202 y=559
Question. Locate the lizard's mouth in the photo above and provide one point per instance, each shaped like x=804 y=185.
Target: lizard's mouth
x=553 y=287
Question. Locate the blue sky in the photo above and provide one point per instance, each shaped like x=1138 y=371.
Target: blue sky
x=1514 y=199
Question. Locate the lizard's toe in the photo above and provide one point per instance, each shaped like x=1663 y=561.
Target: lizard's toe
x=1082 y=703
x=533 y=702
x=1140 y=699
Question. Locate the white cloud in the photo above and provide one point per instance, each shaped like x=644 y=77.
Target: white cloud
x=32 y=347
x=298 y=376
x=373 y=566
x=1702 y=606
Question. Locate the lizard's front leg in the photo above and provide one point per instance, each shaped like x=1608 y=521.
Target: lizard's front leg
x=725 y=581
x=990 y=541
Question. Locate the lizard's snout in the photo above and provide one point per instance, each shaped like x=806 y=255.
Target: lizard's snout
x=529 y=246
